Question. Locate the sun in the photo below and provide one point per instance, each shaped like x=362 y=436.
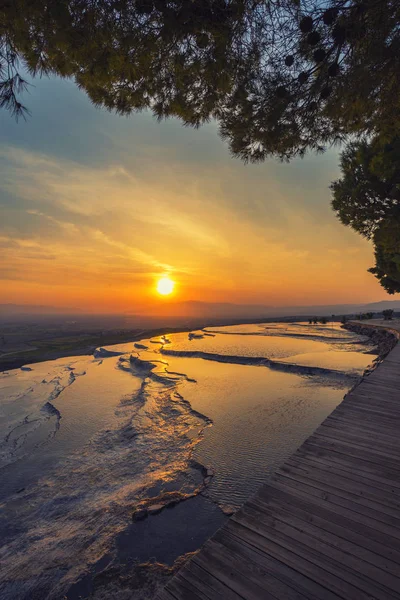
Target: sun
x=165 y=286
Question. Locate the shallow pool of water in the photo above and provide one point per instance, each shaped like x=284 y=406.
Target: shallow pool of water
x=205 y=416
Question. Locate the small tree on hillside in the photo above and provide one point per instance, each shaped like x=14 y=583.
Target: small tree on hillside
x=388 y=314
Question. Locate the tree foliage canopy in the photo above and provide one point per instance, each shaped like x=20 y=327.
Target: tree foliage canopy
x=387 y=254
x=367 y=198
x=369 y=190
x=280 y=76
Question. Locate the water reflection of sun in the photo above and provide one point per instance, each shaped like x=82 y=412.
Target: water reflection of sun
x=165 y=286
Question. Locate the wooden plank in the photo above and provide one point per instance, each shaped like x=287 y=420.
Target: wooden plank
x=363 y=546
x=183 y=590
x=372 y=474
x=327 y=524
x=388 y=495
x=367 y=417
x=386 y=425
x=381 y=387
x=387 y=409
x=230 y=571
x=251 y=537
x=321 y=550
x=254 y=569
x=358 y=440
x=207 y=583
x=346 y=487
x=369 y=391
x=279 y=492
x=311 y=563
x=359 y=437
x=165 y=595
x=357 y=454
x=370 y=411
x=374 y=430
x=305 y=585
x=340 y=499
x=350 y=407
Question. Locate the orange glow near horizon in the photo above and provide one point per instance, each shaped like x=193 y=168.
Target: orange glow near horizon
x=172 y=221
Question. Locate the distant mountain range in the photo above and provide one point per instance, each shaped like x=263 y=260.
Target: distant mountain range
x=36 y=309
x=206 y=310
x=224 y=310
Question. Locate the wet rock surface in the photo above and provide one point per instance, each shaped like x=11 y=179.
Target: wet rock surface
x=384 y=339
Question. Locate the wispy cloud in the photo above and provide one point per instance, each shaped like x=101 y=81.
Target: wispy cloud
x=102 y=206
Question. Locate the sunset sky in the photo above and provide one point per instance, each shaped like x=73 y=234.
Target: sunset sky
x=95 y=208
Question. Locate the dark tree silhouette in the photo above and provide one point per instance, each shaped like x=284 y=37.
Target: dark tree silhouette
x=387 y=254
x=369 y=190
x=279 y=76
x=367 y=198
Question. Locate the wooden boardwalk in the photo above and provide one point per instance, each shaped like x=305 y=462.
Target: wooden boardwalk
x=327 y=524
